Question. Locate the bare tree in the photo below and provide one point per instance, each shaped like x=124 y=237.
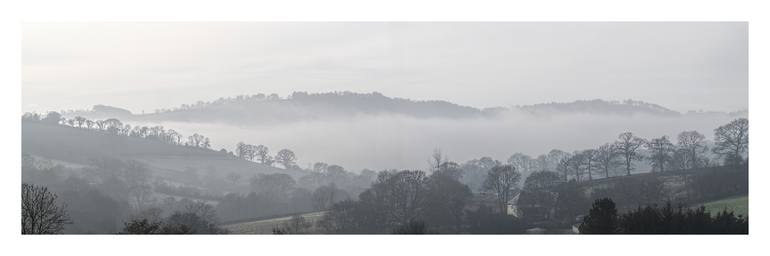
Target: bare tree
x=263 y=154
x=661 y=150
x=524 y=163
x=89 y=124
x=693 y=145
x=605 y=157
x=79 y=120
x=436 y=159
x=241 y=150
x=286 y=158
x=576 y=163
x=591 y=157
x=113 y=125
x=320 y=167
x=196 y=140
x=40 y=213
x=628 y=146
x=100 y=125
x=502 y=180
x=732 y=140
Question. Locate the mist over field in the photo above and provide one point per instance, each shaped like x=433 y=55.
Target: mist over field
x=385 y=128
x=381 y=142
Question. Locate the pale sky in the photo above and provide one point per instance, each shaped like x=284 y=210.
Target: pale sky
x=144 y=66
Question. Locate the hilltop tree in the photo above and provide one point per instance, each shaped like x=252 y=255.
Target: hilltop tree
x=732 y=140
x=52 y=117
x=628 y=146
x=196 y=140
x=661 y=150
x=693 y=145
x=286 y=158
x=40 y=212
x=320 y=167
x=263 y=154
x=114 y=125
x=79 y=120
x=502 y=180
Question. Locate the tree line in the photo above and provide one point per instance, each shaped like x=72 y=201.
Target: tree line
x=116 y=127
x=689 y=151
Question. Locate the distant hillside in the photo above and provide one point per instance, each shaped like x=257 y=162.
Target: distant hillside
x=602 y=107
x=80 y=146
x=300 y=106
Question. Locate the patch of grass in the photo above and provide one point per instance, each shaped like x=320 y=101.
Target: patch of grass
x=739 y=205
x=266 y=226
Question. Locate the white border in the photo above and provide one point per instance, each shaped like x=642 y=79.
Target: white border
x=387 y=10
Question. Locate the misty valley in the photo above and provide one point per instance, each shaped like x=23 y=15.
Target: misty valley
x=366 y=163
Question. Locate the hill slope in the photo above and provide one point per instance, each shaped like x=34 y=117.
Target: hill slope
x=259 y=109
x=300 y=106
x=80 y=146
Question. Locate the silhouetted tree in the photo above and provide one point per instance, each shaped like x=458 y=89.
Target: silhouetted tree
x=539 y=195
x=286 y=158
x=628 y=146
x=263 y=154
x=692 y=144
x=591 y=157
x=242 y=150
x=445 y=198
x=196 y=140
x=661 y=152
x=605 y=157
x=732 y=140
x=502 y=180
x=602 y=218
x=40 y=212
x=652 y=219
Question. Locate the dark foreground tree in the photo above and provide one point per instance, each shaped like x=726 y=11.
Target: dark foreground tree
x=40 y=212
x=601 y=219
x=681 y=220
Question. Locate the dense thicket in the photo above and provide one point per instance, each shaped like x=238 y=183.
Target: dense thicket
x=603 y=218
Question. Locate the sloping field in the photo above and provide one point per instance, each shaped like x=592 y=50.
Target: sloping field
x=80 y=146
x=739 y=205
x=265 y=226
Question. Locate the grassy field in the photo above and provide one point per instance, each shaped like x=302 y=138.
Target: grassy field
x=739 y=205
x=266 y=226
